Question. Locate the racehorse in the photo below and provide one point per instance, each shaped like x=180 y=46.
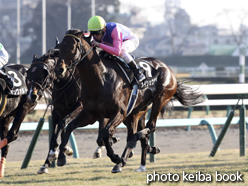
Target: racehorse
x=66 y=100
x=16 y=107
x=105 y=93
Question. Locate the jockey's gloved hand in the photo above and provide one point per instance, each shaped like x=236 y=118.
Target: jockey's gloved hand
x=10 y=82
x=8 y=79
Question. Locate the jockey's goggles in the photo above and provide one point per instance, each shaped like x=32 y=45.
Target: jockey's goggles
x=95 y=32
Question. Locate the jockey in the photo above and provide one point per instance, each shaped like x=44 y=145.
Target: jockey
x=4 y=58
x=115 y=39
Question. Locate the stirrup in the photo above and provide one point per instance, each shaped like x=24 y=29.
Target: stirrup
x=140 y=77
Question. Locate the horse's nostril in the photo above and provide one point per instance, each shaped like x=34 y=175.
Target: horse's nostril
x=61 y=70
x=33 y=98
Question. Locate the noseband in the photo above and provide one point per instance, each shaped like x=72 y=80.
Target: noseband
x=81 y=51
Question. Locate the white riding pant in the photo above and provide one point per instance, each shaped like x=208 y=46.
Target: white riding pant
x=129 y=46
x=4 y=57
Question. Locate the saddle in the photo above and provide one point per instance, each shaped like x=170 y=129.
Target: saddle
x=147 y=68
x=19 y=74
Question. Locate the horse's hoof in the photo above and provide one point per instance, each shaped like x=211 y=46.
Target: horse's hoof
x=68 y=151
x=115 y=139
x=117 y=168
x=131 y=154
x=98 y=152
x=43 y=170
x=141 y=169
x=97 y=155
x=52 y=156
x=61 y=161
x=155 y=150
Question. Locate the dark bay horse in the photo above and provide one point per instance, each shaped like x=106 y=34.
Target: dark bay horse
x=17 y=107
x=106 y=91
x=66 y=103
x=66 y=100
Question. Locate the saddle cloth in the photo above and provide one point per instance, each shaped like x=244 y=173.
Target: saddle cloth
x=18 y=73
x=148 y=70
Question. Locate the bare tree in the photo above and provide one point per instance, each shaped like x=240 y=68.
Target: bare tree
x=239 y=32
x=179 y=26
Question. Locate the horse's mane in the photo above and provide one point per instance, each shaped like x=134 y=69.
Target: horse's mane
x=52 y=53
x=74 y=31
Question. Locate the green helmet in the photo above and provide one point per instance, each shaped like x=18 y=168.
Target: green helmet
x=1 y=46
x=96 y=23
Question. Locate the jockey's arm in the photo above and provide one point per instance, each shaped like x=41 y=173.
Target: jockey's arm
x=117 y=43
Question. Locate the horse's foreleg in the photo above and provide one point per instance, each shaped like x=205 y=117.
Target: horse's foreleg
x=78 y=122
x=107 y=133
x=4 y=150
x=71 y=115
x=110 y=152
x=99 y=149
x=52 y=153
x=131 y=142
x=62 y=158
x=58 y=131
x=3 y=142
x=2 y=167
x=3 y=160
x=98 y=152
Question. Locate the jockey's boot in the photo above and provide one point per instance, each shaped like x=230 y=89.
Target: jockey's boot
x=137 y=71
x=8 y=79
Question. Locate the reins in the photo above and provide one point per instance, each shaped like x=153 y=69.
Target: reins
x=68 y=85
x=71 y=76
x=51 y=103
x=72 y=66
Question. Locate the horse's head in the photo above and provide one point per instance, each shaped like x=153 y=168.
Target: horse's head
x=41 y=74
x=72 y=48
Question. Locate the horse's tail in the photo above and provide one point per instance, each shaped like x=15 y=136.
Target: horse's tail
x=186 y=95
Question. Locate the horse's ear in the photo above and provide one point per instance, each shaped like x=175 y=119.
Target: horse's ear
x=81 y=34
x=57 y=43
x=35 y=56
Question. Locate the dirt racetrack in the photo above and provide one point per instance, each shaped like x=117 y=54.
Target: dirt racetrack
x=174 y=140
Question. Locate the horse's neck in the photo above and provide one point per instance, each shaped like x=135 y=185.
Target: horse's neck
x=94 y=74
x=92 y=70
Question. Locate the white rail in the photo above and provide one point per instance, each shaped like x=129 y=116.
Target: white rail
x=217 y=89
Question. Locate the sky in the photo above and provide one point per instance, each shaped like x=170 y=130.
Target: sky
x=202 y=12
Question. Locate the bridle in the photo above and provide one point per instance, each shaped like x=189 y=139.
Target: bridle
x=47 y=82
x=81 y=49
